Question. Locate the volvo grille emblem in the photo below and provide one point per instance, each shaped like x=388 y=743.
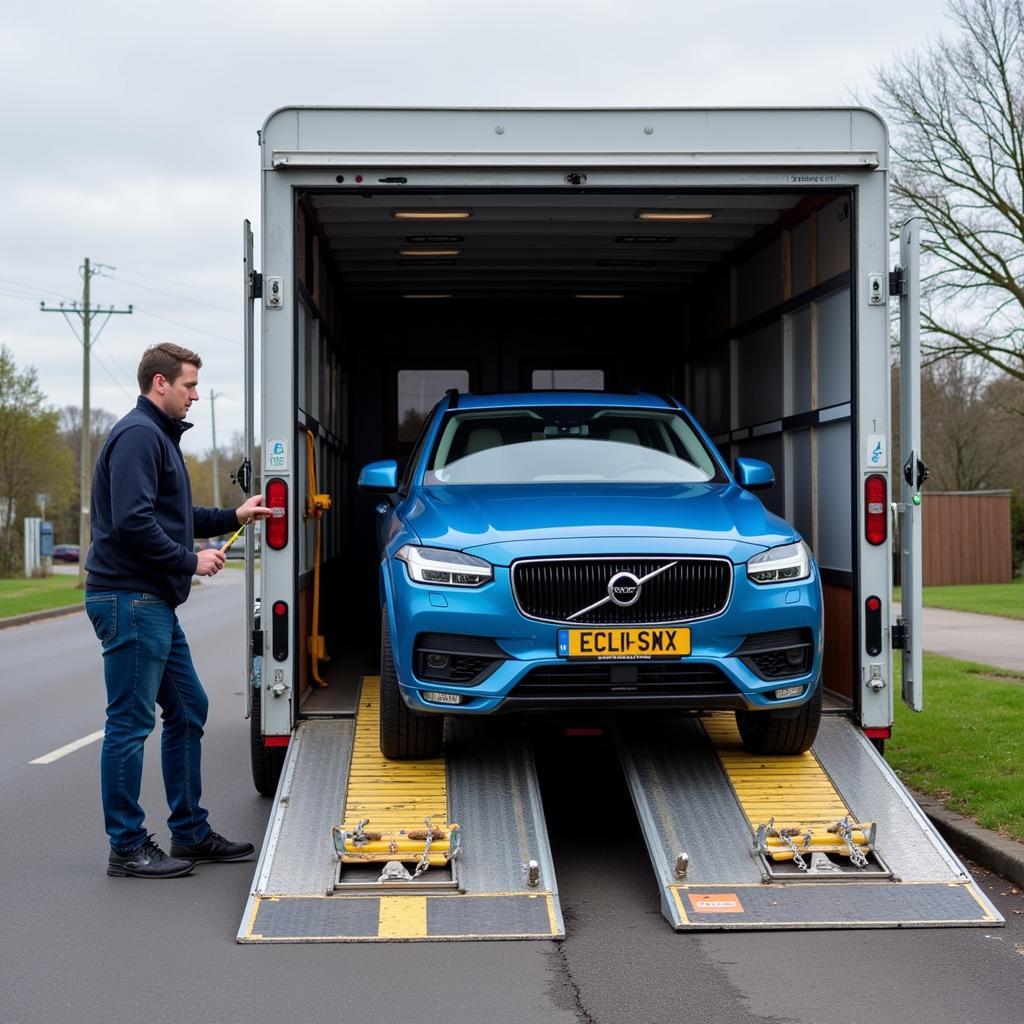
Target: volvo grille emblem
x=624 y=589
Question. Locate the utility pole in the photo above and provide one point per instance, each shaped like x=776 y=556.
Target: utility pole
x=86 y=313
x=216 y=469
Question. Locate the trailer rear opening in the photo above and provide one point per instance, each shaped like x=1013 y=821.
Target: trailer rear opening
x=737 y=301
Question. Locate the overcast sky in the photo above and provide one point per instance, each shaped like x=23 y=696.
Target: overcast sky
x=129 y=130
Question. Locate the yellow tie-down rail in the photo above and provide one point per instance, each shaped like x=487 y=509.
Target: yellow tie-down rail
x=790 y=802
x=395 y=811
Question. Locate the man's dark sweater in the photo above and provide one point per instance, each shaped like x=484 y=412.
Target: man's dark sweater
x=143 y=521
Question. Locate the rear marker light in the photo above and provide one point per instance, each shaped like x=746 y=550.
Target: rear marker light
x=876 y=509
x=279 y=631
x=276 y=741
x=878 y=734
x=275 y=529
x=873 y=625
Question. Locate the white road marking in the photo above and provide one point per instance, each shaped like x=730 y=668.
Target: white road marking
x=70 y=748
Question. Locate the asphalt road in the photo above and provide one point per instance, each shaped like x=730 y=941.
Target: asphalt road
x=77 y=945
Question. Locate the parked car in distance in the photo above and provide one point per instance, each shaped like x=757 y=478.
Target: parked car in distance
x=580 y=549
x=65 y=553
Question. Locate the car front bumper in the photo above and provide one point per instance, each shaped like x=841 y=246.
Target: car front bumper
x=490 y=612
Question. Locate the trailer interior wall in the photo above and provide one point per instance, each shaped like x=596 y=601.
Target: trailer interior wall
x=750 y=322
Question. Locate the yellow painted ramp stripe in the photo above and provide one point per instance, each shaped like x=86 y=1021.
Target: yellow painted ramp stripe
x=402 y=917
x=794 y=790
x=395 y=795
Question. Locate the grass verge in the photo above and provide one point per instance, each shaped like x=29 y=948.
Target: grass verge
x=967 y=747
x=20 y=596
x=1005 y=599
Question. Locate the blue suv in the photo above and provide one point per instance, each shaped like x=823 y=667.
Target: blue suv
x=557 y=550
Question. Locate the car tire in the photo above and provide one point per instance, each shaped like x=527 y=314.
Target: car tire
x=768 y=732
x=267 y=762
x=404 y=735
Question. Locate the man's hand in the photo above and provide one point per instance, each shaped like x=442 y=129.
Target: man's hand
x=211 y=561
x=253 y=509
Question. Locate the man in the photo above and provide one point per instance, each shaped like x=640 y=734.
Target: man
x=140 y=567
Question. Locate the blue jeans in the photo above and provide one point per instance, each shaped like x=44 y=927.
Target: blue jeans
x=146 y=661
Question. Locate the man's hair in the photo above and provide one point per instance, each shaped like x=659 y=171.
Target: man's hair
x=165 y=359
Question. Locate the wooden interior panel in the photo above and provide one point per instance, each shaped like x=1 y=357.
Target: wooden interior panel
x=837 y=668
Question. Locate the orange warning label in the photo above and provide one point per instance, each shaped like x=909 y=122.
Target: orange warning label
x=715 y=902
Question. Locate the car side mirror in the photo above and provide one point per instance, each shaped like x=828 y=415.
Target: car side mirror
x=754 y=475
x=379 y=477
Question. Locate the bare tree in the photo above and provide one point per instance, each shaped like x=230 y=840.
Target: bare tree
x=956 y=111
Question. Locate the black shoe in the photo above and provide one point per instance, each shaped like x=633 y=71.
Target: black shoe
x=213 y=848
x=147 y=861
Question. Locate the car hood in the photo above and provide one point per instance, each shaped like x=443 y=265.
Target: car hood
x=501 y=523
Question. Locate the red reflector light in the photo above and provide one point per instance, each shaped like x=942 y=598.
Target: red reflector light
x=276 y=528
x=276 y=741
x=876 y=509
x=874 y=604
x=280 y=608
x=878 y=734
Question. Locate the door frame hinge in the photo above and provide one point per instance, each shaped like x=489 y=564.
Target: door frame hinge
x=897 y=281
x=256 y=643
x=900 y=634
x=255 y=284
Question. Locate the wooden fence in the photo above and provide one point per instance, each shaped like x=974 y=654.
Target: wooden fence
x=966 y=537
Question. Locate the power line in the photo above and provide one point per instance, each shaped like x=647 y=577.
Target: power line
x=171 y=280
x=33 y=288
x=187 y=327
x=180 y=298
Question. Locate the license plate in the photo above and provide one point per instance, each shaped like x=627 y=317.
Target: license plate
x=623 y=644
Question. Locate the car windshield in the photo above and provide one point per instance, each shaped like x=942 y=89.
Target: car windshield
x=572 y=444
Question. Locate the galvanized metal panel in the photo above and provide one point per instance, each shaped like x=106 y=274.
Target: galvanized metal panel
x=906 y=839
x=303 y=860
x=494 y=796
x=684 y=801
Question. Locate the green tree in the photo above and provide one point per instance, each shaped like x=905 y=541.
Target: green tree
x=33 y=459
x=65 y=518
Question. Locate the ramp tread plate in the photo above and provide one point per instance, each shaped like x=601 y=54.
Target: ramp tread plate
x=404 y=918
x=830 y=905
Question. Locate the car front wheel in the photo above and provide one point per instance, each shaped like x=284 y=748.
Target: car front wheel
x=769 y=732
x=404 y=736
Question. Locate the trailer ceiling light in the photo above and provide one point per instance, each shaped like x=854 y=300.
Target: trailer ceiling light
x=429 y=252
x=645 y=239
x=674 y=215
x=431 y=214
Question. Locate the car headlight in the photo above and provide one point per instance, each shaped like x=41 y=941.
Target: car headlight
x=444 y=567
x=784 y=564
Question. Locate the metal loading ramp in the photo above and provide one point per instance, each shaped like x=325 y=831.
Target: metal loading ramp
x=827 y=839
x=362 y=849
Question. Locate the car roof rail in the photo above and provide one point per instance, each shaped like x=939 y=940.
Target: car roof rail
x=453 y=398
x=666 y=398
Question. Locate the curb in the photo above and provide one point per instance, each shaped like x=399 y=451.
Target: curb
x=1004 y=857
x=47 y=613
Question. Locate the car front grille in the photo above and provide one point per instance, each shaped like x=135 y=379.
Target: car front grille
x=552 y=590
